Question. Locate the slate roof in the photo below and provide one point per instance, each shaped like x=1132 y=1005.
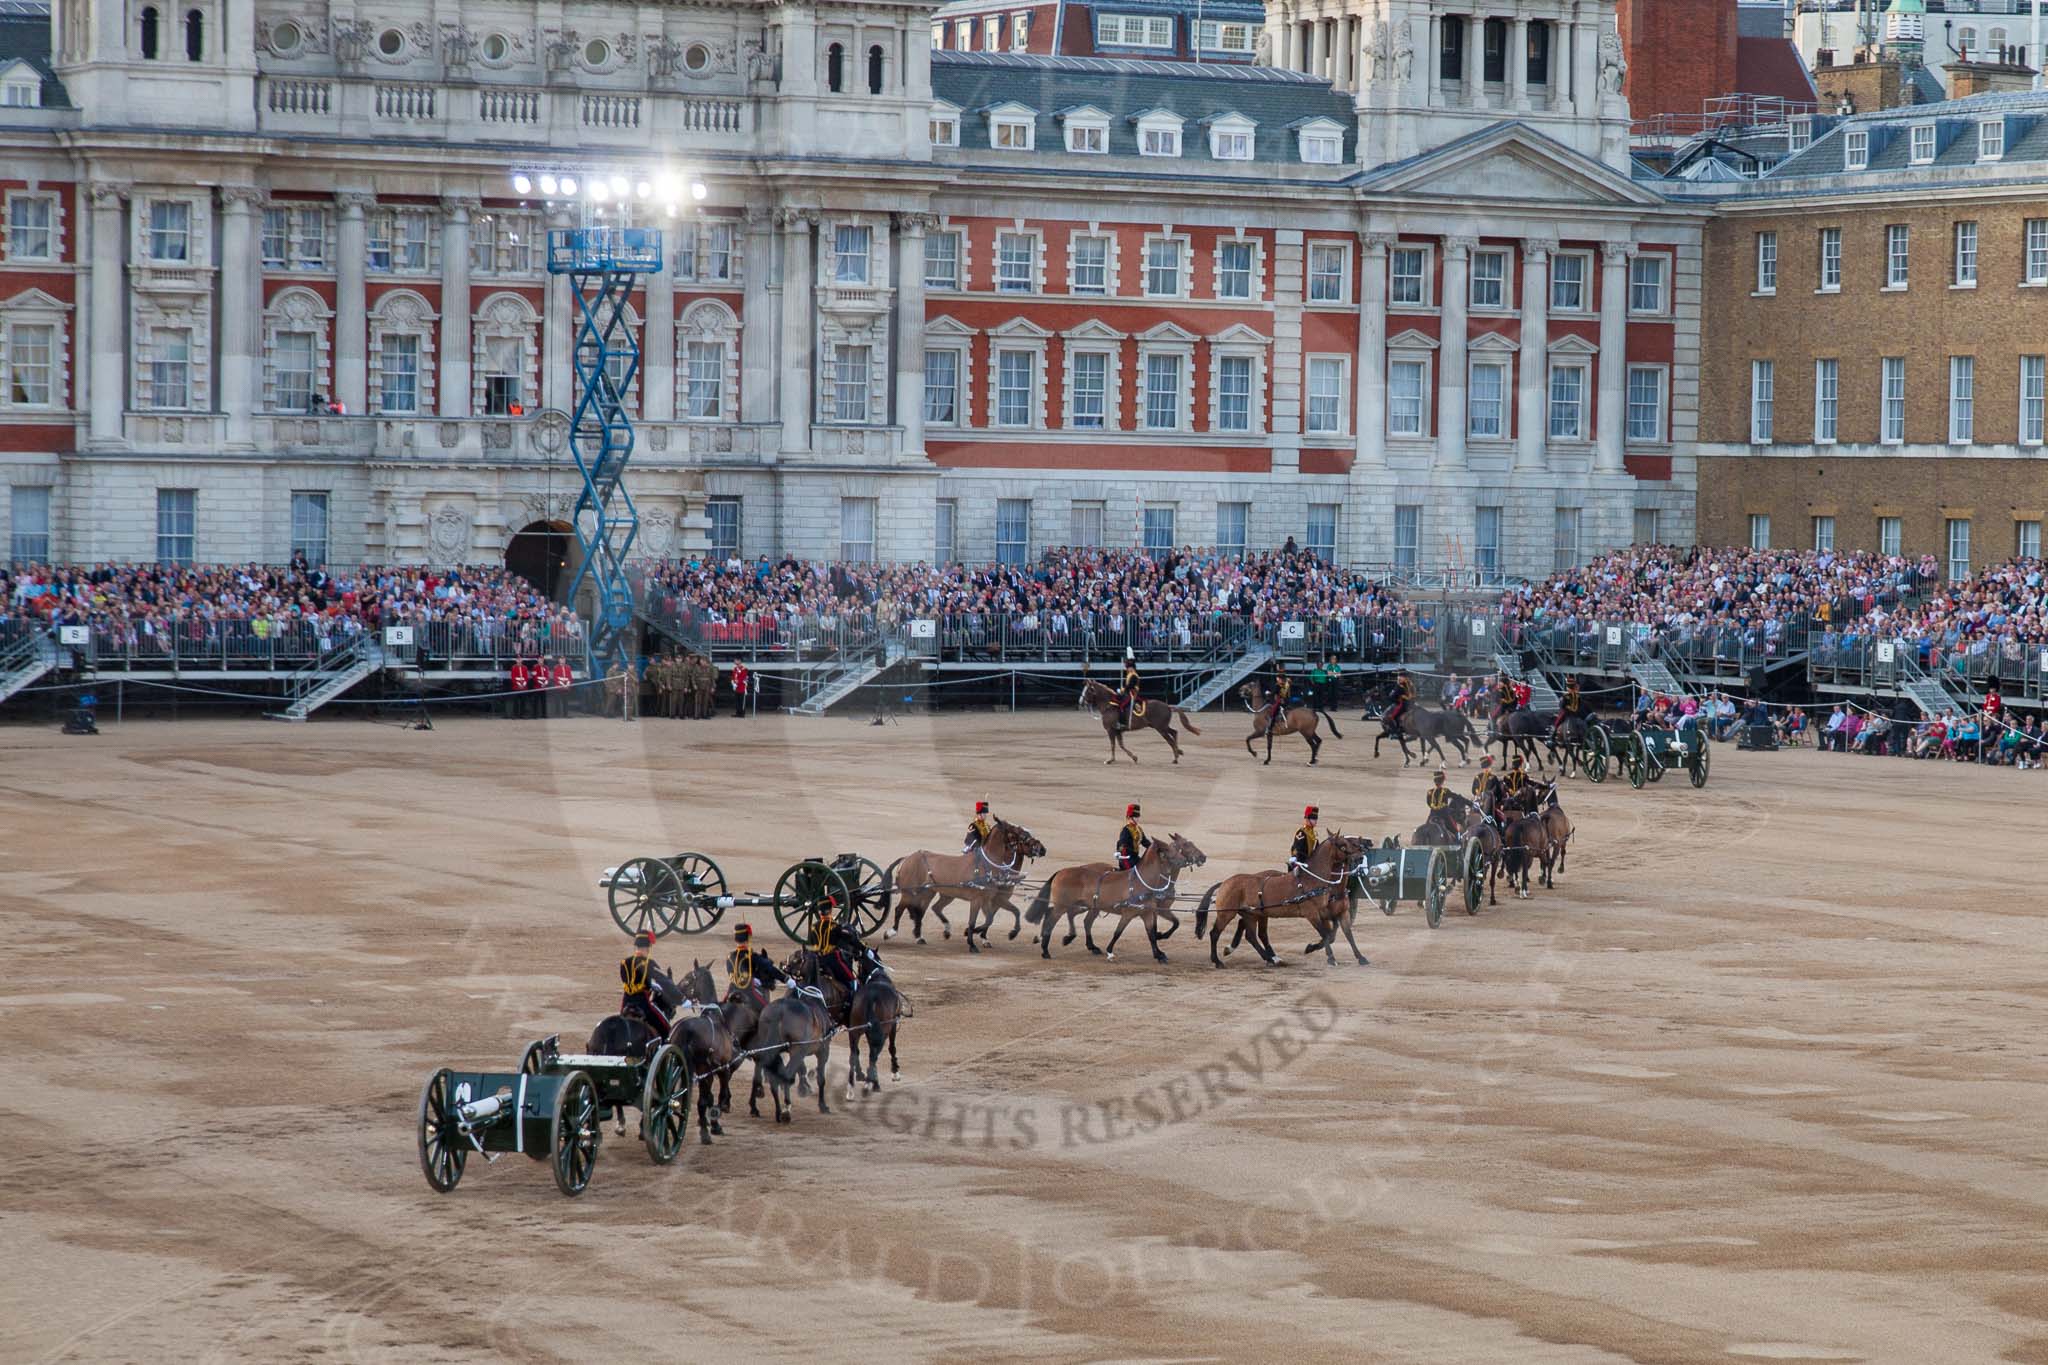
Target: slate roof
x=1274 y=99
x=25 y=34
x=2026 y=139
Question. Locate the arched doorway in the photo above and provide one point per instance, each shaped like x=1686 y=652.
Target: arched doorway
x=542 y=554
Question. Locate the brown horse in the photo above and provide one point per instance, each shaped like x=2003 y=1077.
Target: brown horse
x=795 y=1028
x=1154 y=715
x=1524 y=844
x=1296 y=720
x=872 y=1014
x=1317 y=892
x=706 y=1042
x=1143 y=892
x=983 y=876
x=1556 y=824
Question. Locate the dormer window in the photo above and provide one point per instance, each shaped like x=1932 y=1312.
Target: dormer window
x=1801 y=136
x=1133 y=30
x=945 y=126
x=1159 y=134
x=1856 y=149
x=1231 y=138
x=1321 y=141
x=1013 y=127
x=21 y=87
x=1087 y=130
x=1991 y=139
x=1923 y=143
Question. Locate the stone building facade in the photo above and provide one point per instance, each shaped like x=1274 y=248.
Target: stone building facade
x=1877 y=357
x=275 y=283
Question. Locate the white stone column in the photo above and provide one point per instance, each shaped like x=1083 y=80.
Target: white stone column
x=1556 y=77
x=351 y=315
x=1286 y=39
x=1518 y=63
x=758 y=317
x=455 y=344
x=1614 y=258
x=107 y=381
x=1370 y=380
x=1451 y=378
x=557 y=332
x=1475 y=70
x=1585 y=70
x=658 y=347
x=1433 y=61
x=1319 y=47
x=1531 y=430
x=239 y=306
x=799 y=311
x=910 y=231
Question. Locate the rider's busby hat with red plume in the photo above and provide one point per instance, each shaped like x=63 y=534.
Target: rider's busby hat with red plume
x=742 y=932
x=1131 y=811
x=981 y=806
x=643 y=939
x=1309 y=812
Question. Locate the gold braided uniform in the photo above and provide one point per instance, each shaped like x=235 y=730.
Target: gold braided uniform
x=633 y=973
x=1438 y=798
x=1482 y=785
x=1305 y=840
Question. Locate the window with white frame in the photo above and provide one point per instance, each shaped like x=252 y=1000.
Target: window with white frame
x=292 y=370
x=1827 y=400
x=2033 y=399
x=1321 y=146
x=1568 y=400
x=1133 y=30
x=1157 y=531
x=1800 y=138
x=963 y=39
x=1088 y=136
x=31 y=361
x=1087 y=389
x=294 y=238
x=1320 y=539
x=850 y=382
x=502 y=243
x=1823 y=534
x=1489 y=289
x=1159 y=135
x=31 y=227
x=850 y=246
x=1408 y=268
x=1763 y=384
x=1922 y=145
x=1965 y=256
x=712 y=252
x=170 y=231
x=169 y=370
x=1088 y=264
x=1163 y=371
x=1164 y=258
x=2027 y=538
x=1235 y=376
x=1020 y=32
x=1962 y=399
x=177 y=518
x=1328 y=267
x=1230 y=138
x=1016 y=387
x=1830 y=259
x=1898 y=240
x=1233 y=526
x=938 y=37
x=1324 y=413
x=1486 y=523
x=1565 y=543
x=398 y=241
x=1759 y=530
x=1958 y=535
x=1767 y=263
x=1486 y=401
x=1856 y=149
x=1016 y=262
x=398 y=374
x=1892 y=413
x=943 y=128
x=942 y=260
x=2037 y=251
x=1646 y=283
x=1408 y=397
x=1212 y=36
x=724 y=513
x=941 y=387
x=1236 y=258
x=1085 y=520
x=703 y=380
x=309 y=527
x=504 y=376
x=1647 y=532
x=1013 y=132
x=1407 y=535
x=1890 y=535
x=1013 y=531
x=28 y=524
x=992 y=33
x=1568 y=274
x=1646 y=403
x=23 y=89
x=857 y=530
x=946 y=531
x=1991 y=139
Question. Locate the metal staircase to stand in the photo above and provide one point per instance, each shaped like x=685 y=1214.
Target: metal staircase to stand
x=1218 y=684
x=1652 y=676
x=1929 y=692
x=849 y=678
x=313 y=686
x=26 y=661
x=1542 y=696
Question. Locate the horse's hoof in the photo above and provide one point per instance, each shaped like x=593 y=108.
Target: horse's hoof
x=918 y=939
x=1044 y=954
x=1159 y=957
x=849 y=1094
x=1068 y=940
x=948 y=934
x=1013 y=933
x=894 y=1075
x=1110 y=955
x=1363 y=961
x=704 y=1139
x=782 y=1118
x=888 y=934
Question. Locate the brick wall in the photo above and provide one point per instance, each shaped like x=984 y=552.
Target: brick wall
x=1680 y=53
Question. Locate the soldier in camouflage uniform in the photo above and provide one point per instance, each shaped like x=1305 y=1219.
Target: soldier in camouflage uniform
x=707 y=687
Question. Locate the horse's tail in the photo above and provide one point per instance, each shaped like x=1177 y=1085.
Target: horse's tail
x=1330 y=721
x=1202 y=910
x=776 y=1064
x=1183 y=717
x=1040 y=903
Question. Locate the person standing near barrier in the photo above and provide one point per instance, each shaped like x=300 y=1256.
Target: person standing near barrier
x=740 y=679
x=517 y=707
x=707 y=688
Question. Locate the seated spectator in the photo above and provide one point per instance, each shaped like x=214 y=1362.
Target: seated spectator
x=1831 y=736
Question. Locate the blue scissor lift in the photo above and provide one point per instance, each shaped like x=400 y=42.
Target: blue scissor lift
x=603 y=265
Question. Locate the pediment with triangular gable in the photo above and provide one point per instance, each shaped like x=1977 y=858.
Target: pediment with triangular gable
x=1511 y=161
x=1093 y=330
x=1167 y=331
x=945 y=325
x=34 y=301
x=1412 y=340
x=1573 y=345
x=1492 y=341
x=1019 y=327
x=1237 y=334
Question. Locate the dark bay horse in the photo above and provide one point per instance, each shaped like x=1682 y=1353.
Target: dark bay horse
x=1525 y=843
x=1294 y=720
x=630 y=1035
x=985 y=877
x=793 y=1028
x=1150 y=714
x=873 y=1014
x=1526 y=731
x=1427 y=728
x=702 y=1035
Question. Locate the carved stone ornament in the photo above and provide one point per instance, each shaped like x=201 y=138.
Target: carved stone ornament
x=1404 y=54
x=1380 y=50
x=351 y=41
x=657 y=439
x=664 y=57
x=551 y=433
x=448 y=534
x=657 y=531
x=1613 y=66
x=456 y=45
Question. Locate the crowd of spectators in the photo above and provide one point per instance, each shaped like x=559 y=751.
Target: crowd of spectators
x=151 y=609
x=1990 y=736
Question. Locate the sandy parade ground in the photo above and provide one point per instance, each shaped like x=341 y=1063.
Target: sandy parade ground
x=1762 y=1078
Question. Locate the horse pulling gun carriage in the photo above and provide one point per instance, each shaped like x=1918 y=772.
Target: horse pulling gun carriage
x=1427 y=875
x=687 y=893
x=553 y=1109
x=1646 y=753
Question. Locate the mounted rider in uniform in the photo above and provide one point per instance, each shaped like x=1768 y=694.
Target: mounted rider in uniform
x=979 y=831
x=1514 y=787
x=1486 y=785
x=1439 y=799
x=1504 y=696
x=1305 y=839
x=636 y=976
x=750 y=972
x=1283 y=689
x=838 y=947
x=1127 y=695
x=1570 y=707
x=1131 y=840
x=1404 y=697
